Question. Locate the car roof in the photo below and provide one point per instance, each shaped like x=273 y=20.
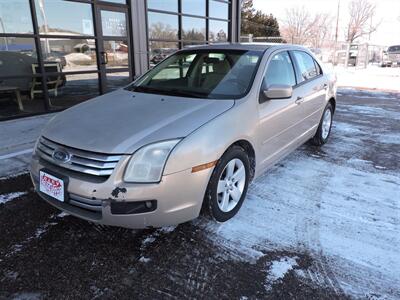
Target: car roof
x=241 y=46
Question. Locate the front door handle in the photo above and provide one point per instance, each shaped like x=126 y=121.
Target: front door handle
x=299 y=100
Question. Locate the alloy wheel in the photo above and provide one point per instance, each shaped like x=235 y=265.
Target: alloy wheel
x=326 y=123
x=231 y=185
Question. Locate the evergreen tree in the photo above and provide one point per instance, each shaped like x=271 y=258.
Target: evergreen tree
x=257 y=23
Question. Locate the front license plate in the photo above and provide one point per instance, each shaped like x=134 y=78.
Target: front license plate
x=51 y=186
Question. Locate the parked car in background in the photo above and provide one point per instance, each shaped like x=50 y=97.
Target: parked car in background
x=385 y=62
x=184 y=137
x=393 y=54
x=158 y=54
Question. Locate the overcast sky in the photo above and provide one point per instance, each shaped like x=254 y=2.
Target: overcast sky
x=388 y=11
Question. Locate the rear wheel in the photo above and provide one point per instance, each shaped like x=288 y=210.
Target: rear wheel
x=325 y=126
x=228 y=185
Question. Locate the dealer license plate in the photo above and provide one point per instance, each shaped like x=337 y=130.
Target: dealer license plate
x=51 y=186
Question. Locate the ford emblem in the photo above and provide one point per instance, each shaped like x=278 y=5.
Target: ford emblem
x=61 y=155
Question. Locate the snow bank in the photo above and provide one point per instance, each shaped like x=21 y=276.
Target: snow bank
x=11 y=196
x=373 y=77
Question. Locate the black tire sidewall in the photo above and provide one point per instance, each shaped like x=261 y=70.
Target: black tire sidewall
x=211 y=194
x=318 y=139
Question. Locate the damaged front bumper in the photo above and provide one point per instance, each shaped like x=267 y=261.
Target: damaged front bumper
x=177 y=198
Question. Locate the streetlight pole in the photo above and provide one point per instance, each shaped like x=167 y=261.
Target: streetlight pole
x=4 y=31
x=336 y=32
x=46 y=27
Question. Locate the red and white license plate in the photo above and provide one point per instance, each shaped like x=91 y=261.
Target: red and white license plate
x=51 y=186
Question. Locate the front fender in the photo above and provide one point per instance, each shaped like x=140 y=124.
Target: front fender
x=210 y=141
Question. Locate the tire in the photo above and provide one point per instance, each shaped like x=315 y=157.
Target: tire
x=322 y=135
x=214 y=199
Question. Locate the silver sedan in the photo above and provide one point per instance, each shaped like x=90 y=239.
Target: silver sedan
x=186 y=137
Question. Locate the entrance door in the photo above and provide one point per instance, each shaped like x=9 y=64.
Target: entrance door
x=113 y=47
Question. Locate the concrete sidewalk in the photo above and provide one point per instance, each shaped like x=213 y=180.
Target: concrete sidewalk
x=17 y=138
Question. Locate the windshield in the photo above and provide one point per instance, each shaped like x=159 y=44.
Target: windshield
x=214 y=74
x=394 y=49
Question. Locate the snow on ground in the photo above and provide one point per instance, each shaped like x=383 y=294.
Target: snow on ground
x=372 y=77
x=11 y=196
x=340 y=204
x=278 y=269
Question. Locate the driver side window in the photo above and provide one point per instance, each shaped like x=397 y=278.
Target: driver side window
x=280 y=71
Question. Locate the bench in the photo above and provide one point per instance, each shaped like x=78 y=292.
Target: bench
x=13 y=90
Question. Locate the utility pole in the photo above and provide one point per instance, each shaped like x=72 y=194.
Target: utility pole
x=336 y=32
x=4 y=31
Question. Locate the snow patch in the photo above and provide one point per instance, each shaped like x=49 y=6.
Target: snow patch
x=278 y=270
x=167 y=229
x=14 y=175
x=144 y=259
x=62 y=214
x=26 y=296
x=11 y=196
x=148 y=240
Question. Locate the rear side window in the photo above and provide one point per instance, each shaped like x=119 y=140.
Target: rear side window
x=307 y=67
x=280 y=71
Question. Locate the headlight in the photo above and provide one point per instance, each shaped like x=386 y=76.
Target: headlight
x=147 y=164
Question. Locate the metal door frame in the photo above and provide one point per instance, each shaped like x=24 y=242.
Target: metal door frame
x=100 y=39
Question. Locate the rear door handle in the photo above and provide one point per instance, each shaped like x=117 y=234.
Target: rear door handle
x=299 y=100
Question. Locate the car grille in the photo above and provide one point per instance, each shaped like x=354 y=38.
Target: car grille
x=78 y=160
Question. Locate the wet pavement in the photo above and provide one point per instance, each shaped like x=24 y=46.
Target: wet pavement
x=322 y=224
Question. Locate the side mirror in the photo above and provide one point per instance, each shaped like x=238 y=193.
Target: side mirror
x=278 y=91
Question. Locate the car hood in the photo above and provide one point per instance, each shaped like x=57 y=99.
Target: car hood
x=122 y=121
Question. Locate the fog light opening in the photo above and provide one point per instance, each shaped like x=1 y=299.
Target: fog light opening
x=149 y=204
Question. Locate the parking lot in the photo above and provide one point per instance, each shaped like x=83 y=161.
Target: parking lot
x=322 y=224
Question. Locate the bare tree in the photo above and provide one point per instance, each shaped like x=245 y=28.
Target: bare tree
x=300 y=27
x=360 y=23
x=321 y=30
x=297 y=25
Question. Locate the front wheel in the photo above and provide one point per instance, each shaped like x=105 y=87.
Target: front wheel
x=228 y=185
x=325 y=126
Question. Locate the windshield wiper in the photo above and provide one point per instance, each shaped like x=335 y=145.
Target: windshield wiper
x=169 y=92
x=193 y=94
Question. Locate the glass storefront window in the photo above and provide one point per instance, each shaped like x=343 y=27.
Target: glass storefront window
x=117 y=80
x=113 y=23
x=116 y=1
x=194 y=7
x=167 y=5
x=70 y=54
x=191 y=44
x=64 y=17
x=16 y=58
x=160 y=50
x=15 y=17
x=219 y=10
x=68 y=90
x=117 y=54
x=193 y=29
x=218 y=31
x=163 y=26
x=15 y=97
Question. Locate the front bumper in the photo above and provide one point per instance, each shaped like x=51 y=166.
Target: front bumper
x=179 y=196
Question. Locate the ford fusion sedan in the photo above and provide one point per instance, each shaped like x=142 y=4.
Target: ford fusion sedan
x=185 y=138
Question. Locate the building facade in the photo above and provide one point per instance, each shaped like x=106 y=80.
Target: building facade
x=57 y=53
